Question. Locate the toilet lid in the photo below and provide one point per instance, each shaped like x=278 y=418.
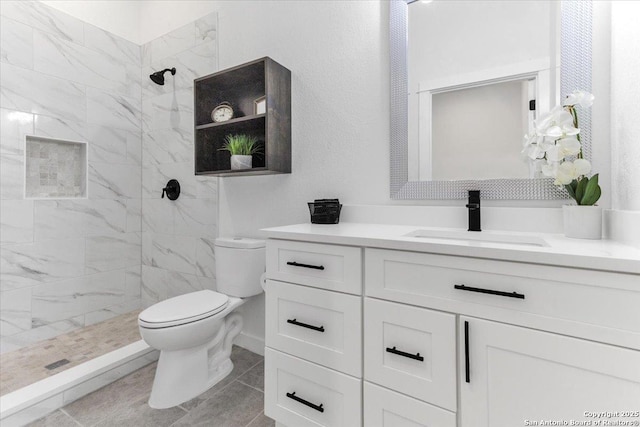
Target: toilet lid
x=183 y=309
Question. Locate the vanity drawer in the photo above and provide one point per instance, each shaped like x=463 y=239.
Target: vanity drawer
x=300 y=393
x=337 y=268
x=386 y=408
x=411 y=350
x=570 y=301
x=321 y=326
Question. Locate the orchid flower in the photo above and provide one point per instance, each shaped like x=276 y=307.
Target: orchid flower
x=569 y=171
x=556 y=139
x=579 y=97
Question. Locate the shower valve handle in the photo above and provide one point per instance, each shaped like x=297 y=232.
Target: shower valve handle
x=172 y=190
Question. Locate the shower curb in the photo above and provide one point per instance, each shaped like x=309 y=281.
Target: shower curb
x=37 y=400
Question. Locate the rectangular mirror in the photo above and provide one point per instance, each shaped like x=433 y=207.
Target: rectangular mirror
x=468 y=79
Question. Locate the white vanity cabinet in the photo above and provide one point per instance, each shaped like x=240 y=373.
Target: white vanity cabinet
x=426 y=339
x=566 y=356
x=518 y=374
x=313 y=334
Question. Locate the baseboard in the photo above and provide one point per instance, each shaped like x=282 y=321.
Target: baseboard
x=251 y=343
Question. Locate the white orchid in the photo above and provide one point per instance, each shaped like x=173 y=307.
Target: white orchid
x=556 y=142
x=579 y=97
x=556 y=123
x=569 y=146
x=567 y=172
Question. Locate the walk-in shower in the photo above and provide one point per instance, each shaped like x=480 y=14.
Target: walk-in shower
x=86 y=241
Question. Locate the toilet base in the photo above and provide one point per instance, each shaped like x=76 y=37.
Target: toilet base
x=182 y=375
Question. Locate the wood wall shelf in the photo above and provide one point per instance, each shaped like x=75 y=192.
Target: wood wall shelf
x=229 y=122
x=241 y=86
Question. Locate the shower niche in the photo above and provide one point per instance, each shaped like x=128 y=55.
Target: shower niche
x=244 y=87
x=55 y=169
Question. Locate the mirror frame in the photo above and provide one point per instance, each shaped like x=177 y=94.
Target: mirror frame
x=575 y=73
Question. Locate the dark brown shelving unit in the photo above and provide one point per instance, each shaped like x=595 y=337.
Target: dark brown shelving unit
x=241 y=86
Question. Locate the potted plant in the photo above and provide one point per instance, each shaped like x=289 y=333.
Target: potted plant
x=556 y=142
x=242 y=148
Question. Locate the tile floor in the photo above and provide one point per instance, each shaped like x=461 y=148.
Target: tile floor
x=236 y=401
x=27 y=365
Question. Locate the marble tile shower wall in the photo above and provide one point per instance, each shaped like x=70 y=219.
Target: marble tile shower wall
x=177 y=237
x=68 y=263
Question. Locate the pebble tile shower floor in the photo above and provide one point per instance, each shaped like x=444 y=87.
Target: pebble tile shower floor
x=236 y=401
x=27 y=365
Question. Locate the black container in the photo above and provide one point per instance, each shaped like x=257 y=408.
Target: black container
x=325 y=211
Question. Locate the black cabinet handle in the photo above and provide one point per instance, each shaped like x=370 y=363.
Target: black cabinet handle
x=489 y=291
x=306 y=325
x=297 y=264
x=467 y=376
x=405 y=354
x=293 y=396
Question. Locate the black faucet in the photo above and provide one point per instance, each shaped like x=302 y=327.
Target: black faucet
x=474 y=210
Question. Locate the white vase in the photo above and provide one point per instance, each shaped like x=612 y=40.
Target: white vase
x=241 y=162
x=582 y=222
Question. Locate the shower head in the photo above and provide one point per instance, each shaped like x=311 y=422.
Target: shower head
x=158 y=76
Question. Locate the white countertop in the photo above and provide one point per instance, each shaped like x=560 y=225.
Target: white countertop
x=603 y=255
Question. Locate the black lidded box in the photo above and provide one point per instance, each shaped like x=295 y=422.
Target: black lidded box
x=325 y=211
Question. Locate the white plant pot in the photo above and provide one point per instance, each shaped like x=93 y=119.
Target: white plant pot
x=582 y=222
x=239 y=162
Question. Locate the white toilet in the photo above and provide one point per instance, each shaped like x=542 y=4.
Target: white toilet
x=194 y=332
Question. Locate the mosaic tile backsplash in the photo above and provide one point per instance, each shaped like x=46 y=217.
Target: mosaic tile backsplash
x=55 y=169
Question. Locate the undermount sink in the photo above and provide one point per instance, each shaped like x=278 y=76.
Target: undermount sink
x=480 y=237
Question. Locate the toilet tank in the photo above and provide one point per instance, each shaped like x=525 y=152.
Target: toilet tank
x=240 y=262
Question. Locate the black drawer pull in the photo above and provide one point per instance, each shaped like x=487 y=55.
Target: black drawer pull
x=293 y=396
x=297 y=264
x=467 y=373
x=306 y=325
x=405 y=354
x=489 y=291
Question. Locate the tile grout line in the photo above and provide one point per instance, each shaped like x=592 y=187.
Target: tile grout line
x=73 y=419
x=248 y=369
x=255 y=418
x=250 y=386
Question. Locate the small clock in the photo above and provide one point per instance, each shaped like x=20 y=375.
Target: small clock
x=222 y=112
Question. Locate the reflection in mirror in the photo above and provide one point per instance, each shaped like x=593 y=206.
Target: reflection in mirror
x=488 y=55
x=476 y=132
x=478 y=72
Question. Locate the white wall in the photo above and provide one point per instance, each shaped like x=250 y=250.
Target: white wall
x=455 y=38
x=625 y=108
x=337 y=52
x=139 y=21
x=120 y=17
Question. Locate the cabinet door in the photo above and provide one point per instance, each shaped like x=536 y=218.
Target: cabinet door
x=517 y=375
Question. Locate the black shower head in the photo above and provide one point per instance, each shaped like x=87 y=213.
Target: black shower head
x=158 y=76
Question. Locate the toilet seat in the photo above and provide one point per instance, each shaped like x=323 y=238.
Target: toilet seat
x=183 y=309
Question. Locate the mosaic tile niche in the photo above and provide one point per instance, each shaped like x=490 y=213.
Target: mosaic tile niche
x=55 y=169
